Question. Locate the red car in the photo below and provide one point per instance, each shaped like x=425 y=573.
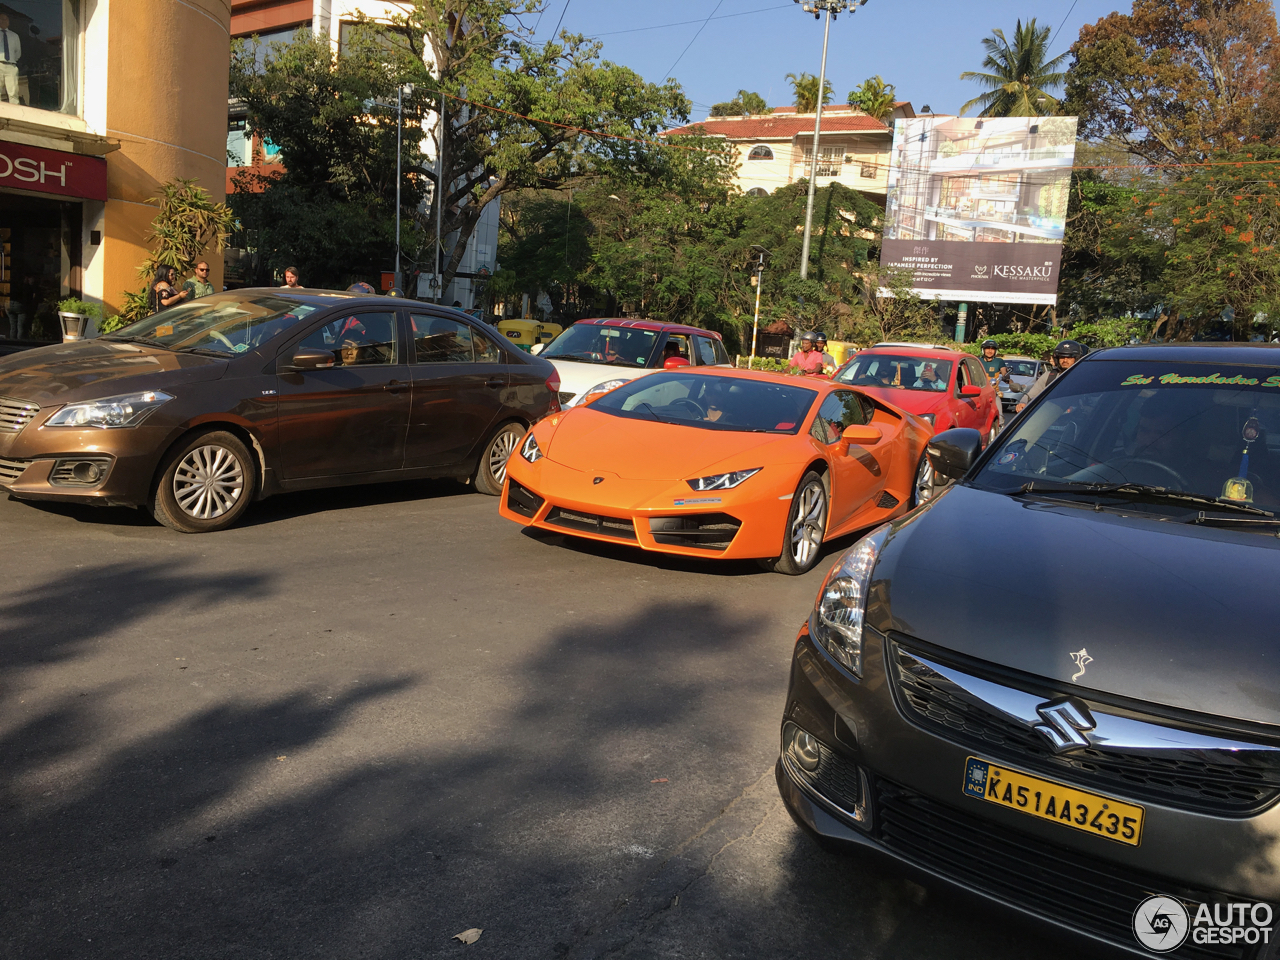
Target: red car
x=945 y=387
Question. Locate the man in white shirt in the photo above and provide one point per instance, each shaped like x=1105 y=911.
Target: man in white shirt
x=10 y=52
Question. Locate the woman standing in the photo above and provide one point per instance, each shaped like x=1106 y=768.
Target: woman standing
x=163 y=292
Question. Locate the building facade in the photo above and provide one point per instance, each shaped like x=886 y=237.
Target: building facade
x=94 y=116
x=775 y=149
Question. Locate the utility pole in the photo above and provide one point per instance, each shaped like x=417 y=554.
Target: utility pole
x=761 y=253
x=395 y=281
x=833 y=8
x=440 y=195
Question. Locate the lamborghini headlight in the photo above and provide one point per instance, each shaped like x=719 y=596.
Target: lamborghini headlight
x=723 y=481
x=128 y=410
x=530 y=449
x=836 y=622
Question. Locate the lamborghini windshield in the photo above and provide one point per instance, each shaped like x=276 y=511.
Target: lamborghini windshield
x=1212 y=431
x=710 y=402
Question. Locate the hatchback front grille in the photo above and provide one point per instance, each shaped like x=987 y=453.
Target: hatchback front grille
x=16 y=414
x=704 y=531
x=617 y=527
x=11 y=470
x=1090 y=895
x=1224 y=782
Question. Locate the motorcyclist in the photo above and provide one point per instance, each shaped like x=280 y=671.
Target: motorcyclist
x=807 y=360
x=828 y=361
x=994 y=364
x=1065 y=354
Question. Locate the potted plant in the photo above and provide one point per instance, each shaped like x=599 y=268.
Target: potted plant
x=74 y=314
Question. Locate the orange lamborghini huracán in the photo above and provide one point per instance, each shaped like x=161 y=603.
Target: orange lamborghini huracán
x=721 y=463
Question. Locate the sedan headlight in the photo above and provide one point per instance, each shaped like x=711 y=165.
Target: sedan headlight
x=836 y=622
x=723 y=481
x=530 y=449
x=598 y=389
x=128 y=410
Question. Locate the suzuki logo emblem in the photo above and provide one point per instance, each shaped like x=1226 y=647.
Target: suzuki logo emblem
x=1066 y=721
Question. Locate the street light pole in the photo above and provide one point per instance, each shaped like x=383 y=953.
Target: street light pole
x=760 y=253
x=395 y=282
x=832 y=8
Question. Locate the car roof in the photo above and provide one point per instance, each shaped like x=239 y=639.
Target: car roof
x=1262 y=354
x=913 y=350
x=654 y=325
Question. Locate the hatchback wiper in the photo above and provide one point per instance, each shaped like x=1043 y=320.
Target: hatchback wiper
x=1145 y=490
x=147 y=340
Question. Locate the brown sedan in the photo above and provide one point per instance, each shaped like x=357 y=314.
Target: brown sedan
x=197 y=411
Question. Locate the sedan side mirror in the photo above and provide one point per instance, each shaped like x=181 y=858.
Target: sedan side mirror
x=970 y=390
x=952 y=452
x=309 y=358
x=863 y=436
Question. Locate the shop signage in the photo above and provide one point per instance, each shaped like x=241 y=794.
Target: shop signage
x=52 y=171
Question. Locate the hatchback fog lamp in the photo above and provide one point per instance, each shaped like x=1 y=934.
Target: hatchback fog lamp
x=595 y=391
x=530 y=449
x=803 y=748
x=723 y=481
x=838 y=613
x=127 y=410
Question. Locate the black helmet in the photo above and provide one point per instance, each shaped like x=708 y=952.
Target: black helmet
x=820 y=337
x=1069 y=350
x=990 y=343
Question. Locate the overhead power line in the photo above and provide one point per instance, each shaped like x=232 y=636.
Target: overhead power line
x=671 y=69
x=556 y=32
x=685 y=23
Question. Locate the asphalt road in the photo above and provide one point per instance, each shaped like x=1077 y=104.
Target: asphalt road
x=370 y=719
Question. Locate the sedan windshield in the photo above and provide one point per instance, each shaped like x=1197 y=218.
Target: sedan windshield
x=897 y=372
x=616 y=346
x=1021 y=368
x=1109 y=426
x=710 y=402
x=226 y=323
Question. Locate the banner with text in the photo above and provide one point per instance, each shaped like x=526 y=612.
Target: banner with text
x=976 y=208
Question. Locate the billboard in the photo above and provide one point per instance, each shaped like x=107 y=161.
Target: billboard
x=976 y=208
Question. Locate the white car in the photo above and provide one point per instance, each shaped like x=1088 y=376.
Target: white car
x=596 y=355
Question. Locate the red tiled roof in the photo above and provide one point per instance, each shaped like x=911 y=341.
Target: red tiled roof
x=781 y=127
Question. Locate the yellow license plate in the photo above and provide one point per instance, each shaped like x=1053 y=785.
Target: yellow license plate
x=1078 y=809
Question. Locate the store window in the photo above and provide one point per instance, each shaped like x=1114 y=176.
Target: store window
x=40 y=54
x=39 y=263
x=262 y=45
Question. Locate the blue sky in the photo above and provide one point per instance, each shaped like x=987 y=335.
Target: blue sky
x=921 y=46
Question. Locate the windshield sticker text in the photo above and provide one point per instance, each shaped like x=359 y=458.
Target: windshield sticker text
x=1215 y=379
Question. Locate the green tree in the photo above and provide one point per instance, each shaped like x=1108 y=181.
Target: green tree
x=746 y=103
x=874 y=97
x=1018 y=75
x=189 y=225
x=805 y=87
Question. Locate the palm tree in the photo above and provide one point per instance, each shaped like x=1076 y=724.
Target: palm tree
x=806 y=90
x=1019 y=75
x=875 y=98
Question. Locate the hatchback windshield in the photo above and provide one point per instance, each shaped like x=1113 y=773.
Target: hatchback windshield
x=1206 y=430
x=618 y=346
x=897 y=372
x=710 y=402
x=225 y=323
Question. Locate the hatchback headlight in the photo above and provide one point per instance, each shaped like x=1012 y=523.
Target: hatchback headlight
x=723 y=481
x=931 y=417
x=836 y=622
x=530 y=449
x=595 y=391
x=128 y=410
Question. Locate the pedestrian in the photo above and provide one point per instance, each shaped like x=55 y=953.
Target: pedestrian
x=807 y=360
x=1065 y=355
x=828 y=361
x=10 y=54
x=291 y=279
x=163 y=294
x=199 y=285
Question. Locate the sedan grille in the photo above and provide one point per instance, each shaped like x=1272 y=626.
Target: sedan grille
x=617 y=527
x=1049 y=881
x=1224 y=782
x=16 y=414
x=11 y=470
x=704 y=531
